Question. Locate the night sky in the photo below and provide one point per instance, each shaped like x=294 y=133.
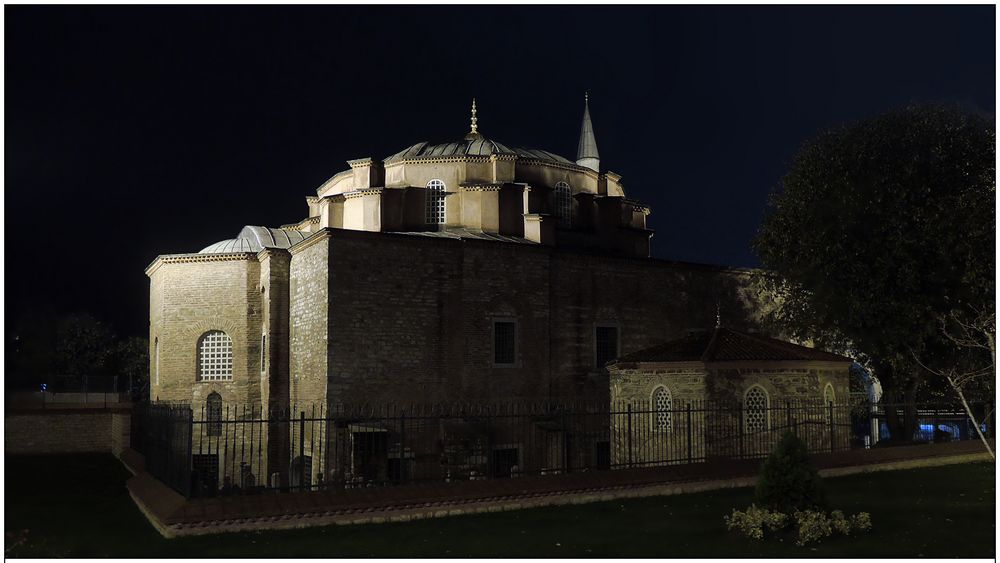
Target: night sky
x=138 y=131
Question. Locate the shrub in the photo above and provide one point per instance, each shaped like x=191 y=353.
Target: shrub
x=813 y=525
x=840 y=524
x=753 y=522
x=788 y=482
x=861 y=521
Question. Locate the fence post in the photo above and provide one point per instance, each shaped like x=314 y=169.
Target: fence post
x=402 y=446
x=190 y=452
x=302 y=450
x=630 y=434
x=489 y=443
x=788 y=414
x=690 y=459
x=833 y=442
x=739 y=422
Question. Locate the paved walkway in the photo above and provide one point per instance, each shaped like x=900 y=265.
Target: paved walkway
x=174 y=516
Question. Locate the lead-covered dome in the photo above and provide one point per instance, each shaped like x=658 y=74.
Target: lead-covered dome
x=255 y=239
x=475 y=146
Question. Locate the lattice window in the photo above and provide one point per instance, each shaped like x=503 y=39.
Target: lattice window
x=605 y=345
x=755 y=416
x=662 y=404
x=828 y=395
x=215 y=356
x=213 y=415
x=564 y=204
x=504 y=343
x=435 y=202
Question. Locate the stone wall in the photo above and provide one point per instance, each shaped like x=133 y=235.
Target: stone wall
x=189 y=296
x=411 y=317
x=66 y=431
x=795 y=395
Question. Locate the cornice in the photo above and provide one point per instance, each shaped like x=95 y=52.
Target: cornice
x=362 y=192
x=481 y=187
x=359 y=162
x=312 y=239
x=197 y=257
x=333 y=179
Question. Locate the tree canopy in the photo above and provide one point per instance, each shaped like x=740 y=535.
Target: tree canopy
x=880 y=229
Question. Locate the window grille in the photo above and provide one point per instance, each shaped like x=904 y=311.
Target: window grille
x=215 y=356
x=755 y=410
x=504 y=343
x=605 y=345
x=213 y=415
x=435 y=202
x=828 y=395
x=662 y=405
x=564 y=204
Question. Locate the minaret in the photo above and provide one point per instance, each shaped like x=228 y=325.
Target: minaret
x=586 y=152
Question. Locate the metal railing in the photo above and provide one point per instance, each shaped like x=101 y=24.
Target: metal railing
x=242 y=449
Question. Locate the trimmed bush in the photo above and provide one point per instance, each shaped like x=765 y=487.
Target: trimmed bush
x=753 y=521
x=788 y=482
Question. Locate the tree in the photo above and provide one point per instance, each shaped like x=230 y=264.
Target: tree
x=132 y=361
x=84 y=346
x=882 y=229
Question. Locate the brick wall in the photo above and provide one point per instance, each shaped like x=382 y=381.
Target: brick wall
x=411 y=318
x=66 y=431
x=189 y=296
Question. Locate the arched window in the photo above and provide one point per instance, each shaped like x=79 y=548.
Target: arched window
x=156 y=360
x=215 y=356
x=435 y=202
x=828 y=395
x=213 y=415
x=564 y=204
x=661 y=404
x=755 y=415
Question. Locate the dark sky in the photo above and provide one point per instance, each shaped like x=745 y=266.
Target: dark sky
x=136 y=131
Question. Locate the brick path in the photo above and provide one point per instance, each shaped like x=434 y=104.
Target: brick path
x=173 y=515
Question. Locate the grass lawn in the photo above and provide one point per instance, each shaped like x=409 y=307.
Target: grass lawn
x=77 y=506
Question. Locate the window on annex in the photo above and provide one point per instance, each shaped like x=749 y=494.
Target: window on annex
x=435 y=202
x=605 y=345
x=213 y=415
x=504 y=342
x=215 y=356
x=564 y=204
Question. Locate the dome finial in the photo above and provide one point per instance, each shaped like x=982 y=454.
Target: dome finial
x=475 y=128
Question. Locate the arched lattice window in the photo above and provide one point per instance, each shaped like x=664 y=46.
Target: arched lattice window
x=564 y=204
x=435 y=202
x=828 y=394
x=215 y=356
x=755 y=415
x=213 y=415
x=661 y=403
x=156 y=360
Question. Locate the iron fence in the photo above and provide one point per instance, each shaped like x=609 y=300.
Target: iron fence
x=241 y=449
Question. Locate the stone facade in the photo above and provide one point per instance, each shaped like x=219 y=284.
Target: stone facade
x=698 y=409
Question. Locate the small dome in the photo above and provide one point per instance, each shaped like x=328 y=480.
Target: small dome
x=255 y=239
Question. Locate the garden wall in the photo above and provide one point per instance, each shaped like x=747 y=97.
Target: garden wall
x=67 y=431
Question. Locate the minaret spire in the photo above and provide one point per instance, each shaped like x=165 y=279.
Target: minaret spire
x=474 y=124
x=586 y=152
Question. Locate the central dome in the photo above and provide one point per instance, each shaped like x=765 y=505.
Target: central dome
x=476 y=146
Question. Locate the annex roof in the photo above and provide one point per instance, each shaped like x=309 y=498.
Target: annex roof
x=723 y=344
